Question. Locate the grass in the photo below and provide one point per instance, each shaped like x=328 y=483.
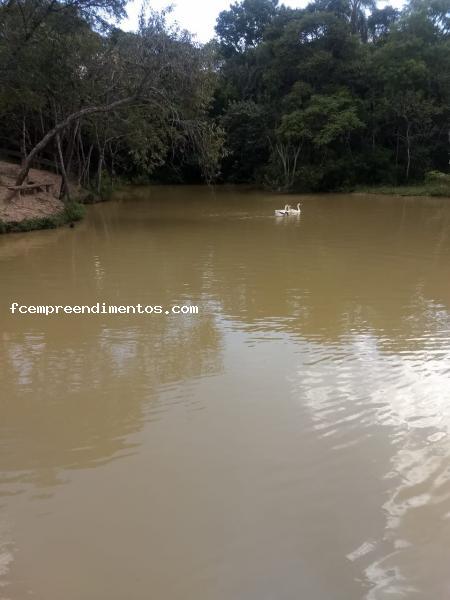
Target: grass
x=71 y=213
x=424 y=189
x=435 y=184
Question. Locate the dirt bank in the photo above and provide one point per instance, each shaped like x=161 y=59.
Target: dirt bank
x=31 y=206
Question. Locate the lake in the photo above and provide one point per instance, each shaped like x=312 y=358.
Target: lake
x=290 y=441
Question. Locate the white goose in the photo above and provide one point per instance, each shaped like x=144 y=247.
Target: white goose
x=293 y=211
x=283 y=213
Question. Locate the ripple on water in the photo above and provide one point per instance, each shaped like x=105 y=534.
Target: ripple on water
x=407 y=393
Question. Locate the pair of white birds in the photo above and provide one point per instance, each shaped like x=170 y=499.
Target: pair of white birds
x=288 y=211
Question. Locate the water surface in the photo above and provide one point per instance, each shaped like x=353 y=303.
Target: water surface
x=292 y=441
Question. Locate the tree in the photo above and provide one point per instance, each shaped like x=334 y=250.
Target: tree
x=323 y=97
x=243 y=25
x=323 y=123
x=353 y=11
x=29 y=16
x=338 y=111
x=155 y=86
x=412 y=66
x=380 y=22
x=247 y=140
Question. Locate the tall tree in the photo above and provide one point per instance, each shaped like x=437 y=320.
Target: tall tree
x=155 y=86
x=243 y=25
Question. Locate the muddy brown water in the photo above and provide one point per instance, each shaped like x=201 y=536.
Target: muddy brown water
x=291 y=441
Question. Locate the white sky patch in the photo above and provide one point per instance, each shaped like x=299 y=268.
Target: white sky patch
x=199 y=16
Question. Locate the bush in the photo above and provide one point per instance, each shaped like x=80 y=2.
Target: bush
x=438 y=177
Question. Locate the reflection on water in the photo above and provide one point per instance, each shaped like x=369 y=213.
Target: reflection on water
x=361 y=387
x=291 y=441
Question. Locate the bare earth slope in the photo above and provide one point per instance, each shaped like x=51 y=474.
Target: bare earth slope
x=30 y=206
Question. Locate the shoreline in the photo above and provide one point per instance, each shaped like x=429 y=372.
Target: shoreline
x=45 y=211
x=424 y=190
x=69 y=214
x=41 y=210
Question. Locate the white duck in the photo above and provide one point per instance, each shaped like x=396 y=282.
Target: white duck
x=293 y=211
x=283 y=212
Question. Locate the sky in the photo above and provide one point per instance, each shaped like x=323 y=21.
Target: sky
x=199 y=16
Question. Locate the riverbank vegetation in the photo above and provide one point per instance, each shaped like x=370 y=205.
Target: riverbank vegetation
x=434 y=184
x=335 y=95
x=70 y=213
x=338 y=95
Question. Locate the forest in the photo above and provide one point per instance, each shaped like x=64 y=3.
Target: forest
x=332 y=96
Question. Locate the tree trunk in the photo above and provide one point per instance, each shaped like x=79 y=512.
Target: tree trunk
x=70 y=148
x=408 y=151
x=396 y=150
x=80 y=157
x=289 y=166
x=87 y=170
x=65 y=191
x=99 y=171
x=24 y=140
x=59 y=128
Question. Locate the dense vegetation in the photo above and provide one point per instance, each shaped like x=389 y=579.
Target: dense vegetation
x=81 y=94
x=332 y=96
x=338 y=94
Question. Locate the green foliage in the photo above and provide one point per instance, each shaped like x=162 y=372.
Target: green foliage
x=324 y=120
x=161 y=80
x=350 y=94
x=247 y=140
x=418 y=189
x=331 y=96
x=243 y=25
x=438 y=177
x=381 y=21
